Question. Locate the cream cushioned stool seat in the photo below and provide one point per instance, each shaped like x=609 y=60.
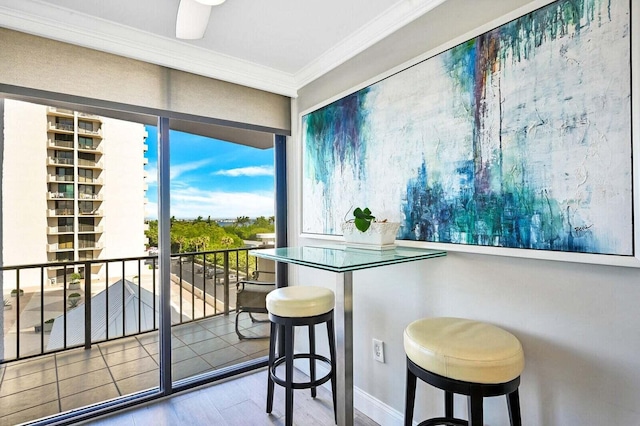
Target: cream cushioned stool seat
x=300 y=301
x=288 y=308
x=466 y=357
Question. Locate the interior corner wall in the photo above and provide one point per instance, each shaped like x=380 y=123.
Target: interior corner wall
x=578 y=323
x=43 y=64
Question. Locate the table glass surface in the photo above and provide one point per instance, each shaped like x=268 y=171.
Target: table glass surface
x=344 y=259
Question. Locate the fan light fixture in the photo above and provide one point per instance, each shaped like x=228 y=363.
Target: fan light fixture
x=193 y=18
x=211 y=2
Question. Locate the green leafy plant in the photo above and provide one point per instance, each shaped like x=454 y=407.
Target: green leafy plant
x=75 y=277
x=363 y=218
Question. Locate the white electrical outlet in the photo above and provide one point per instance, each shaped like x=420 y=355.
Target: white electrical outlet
x=378 y=350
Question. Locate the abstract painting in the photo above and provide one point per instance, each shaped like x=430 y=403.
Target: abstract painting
x=517 y=138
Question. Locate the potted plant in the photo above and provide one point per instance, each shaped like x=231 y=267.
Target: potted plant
x=48 y=325
x=74 y=284
x=365 y=231
x=73 y=299
x=14 y=292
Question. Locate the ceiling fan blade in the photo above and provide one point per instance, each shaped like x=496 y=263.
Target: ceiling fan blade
x=192 y=19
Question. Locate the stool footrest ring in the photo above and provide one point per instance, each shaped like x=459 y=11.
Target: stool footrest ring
x=444 y=421
x=301 y=385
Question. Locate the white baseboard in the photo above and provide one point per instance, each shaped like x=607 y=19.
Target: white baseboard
x=376 y=410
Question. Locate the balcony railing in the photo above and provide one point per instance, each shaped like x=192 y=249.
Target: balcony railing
x=61 y=195
x=92 y=245
x=85 y=196
x=95 y=132
x=203 y=281
x=60 y=178
x=84 y=212
x=89 y=228
x=90 y=163
x=61 y=161
x=60 y=229
x=62 y=126
x=59 y=247
x=60 y=143
x=59 y=212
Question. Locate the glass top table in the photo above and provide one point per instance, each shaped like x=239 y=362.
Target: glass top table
x=343 y=258
x=343 y=261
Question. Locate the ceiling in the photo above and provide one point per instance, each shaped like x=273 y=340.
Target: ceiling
x=274 y=45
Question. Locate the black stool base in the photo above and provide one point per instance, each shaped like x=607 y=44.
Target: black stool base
x=475 y=393
x=288 y=324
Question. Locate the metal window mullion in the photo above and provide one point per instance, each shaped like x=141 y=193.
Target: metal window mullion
x=164 y=255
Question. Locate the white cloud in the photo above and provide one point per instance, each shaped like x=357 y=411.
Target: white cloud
x=247 y=171
x=189 y=203
x=177 y=170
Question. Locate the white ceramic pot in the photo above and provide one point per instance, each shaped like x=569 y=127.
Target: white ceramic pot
x=379 y=234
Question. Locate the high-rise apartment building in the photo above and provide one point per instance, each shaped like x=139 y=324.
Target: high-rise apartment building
x=73 y=188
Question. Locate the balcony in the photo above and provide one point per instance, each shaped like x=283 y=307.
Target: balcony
x=56 y=161
x=94 y=197
x=60 y=111
x=88 y=116
x=90 y=245
x=95 y=147
x=59 y=247
x=53 y=230
x=91 y=181
x=91 y=213
x=94 y=132
x=59 y=178
x=55 y=143
x=66 y=128
x=59 y=212
x=90 y=229
x=88 y=164
x=60 y=195
x=47 y=372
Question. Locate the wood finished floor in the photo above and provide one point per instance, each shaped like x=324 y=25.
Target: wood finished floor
x=235 y=402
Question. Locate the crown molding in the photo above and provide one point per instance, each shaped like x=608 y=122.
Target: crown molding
x=46 y=20
x=43 y=19
x=394 y=18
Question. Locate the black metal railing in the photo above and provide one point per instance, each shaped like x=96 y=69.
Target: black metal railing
x=203 y=281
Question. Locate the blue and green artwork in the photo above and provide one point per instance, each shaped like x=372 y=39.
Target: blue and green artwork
x=518 y=138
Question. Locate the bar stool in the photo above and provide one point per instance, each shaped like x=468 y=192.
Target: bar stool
x=291 y=307
x=464 y=357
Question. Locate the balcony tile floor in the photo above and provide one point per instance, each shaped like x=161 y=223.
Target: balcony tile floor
x=55 y=383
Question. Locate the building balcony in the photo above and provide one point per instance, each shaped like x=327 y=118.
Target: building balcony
x=53 y=230
x=60 y=195
x=91 y=213
x=90 y=245
x=90 y=181
x=90 y=117
x=59 y=178
x=60 y=247
x=88 y=164
x=56 y=161
x=59 y=212
x=94 y=197
x=96 y=147
x=89 y=229
x=62 y=112
x=93 y=133
x=145 y=147
x=64 y=145
x=60 y=127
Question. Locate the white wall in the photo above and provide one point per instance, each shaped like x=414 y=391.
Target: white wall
x=578 y=323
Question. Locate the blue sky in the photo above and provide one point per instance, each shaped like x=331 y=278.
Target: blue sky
x=212 y=178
